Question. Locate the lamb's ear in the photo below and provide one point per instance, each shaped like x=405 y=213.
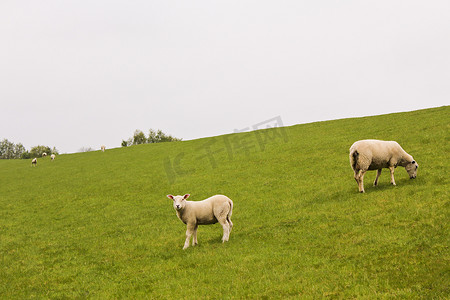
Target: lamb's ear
x=170 y=196
x=186 y=196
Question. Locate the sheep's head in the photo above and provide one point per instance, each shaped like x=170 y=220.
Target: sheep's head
x=179 y=202
x=411 y=168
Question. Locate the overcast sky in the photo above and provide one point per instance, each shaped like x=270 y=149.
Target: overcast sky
x=79 y=73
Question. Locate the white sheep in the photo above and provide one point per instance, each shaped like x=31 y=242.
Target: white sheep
x=374 y=155
x=215 y=209
x=34 y=162
x=44 y=154
x=52 y=156
x=103 y=148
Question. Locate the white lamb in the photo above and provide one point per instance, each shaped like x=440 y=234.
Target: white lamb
x=103 y=148
x=374 y=155
x=44 y=154
x=34 y=162
x=52 y=156
x=215 y=209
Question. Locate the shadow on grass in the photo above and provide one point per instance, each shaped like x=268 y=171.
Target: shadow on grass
x=385 y=186
x=328 y=196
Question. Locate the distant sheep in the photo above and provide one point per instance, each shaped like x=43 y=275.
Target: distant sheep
x=34 y=162
x=374 y=155
x=52 y=156
x=103 y=148
x=44 y=154
x=215 y=209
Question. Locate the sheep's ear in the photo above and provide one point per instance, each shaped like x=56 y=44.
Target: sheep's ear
x=186 y=196
x=170 y=196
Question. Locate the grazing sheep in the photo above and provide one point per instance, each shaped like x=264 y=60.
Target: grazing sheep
x=103 y=148
x=44 y=154
x=215 y=209
x=52 y=156
x=374 y=155
x=34 y=162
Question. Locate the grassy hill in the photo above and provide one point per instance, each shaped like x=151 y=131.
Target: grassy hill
x=99 y=224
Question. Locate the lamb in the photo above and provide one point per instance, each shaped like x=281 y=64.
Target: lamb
x=53 y=157
x=44 y=154
x=374 y=155
x=215 y=209
x=34 y=162
x=103 y=148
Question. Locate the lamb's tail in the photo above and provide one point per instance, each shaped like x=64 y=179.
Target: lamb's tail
x=230 y=213
x=231 y=210
x=354 y=158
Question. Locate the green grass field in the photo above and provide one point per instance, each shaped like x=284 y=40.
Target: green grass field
x=99 y=225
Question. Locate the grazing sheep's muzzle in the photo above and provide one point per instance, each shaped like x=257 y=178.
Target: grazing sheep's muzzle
x=177 y=207
x=412 y=177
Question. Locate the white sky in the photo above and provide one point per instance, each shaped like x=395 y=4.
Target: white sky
x=80 y=73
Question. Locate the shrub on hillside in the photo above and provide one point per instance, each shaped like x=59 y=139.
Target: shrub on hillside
x=157 y=136
x=37 y=151
x=139 y=137
x=160 y=137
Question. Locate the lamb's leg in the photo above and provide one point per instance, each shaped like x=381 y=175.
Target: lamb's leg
x=230 y=224
x=378 y=176
x=226 y=232
x=194 y=241
x=361 y=181
x=357 y=177
x=226 y=229
x=189 y=232
x=392 y=169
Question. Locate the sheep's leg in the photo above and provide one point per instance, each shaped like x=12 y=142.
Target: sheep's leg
x=230 y=224
x=226 y=232
x=226 y=229
x=378 y=176
x=190 y=230
x=194 y=241
x=361 y=181
x=357 y=177
x=392 y=169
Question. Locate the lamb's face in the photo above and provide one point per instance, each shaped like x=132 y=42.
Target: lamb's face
x=179 y=202
x=411 y=168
